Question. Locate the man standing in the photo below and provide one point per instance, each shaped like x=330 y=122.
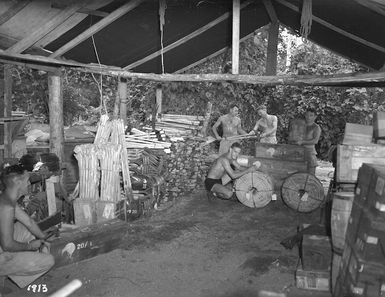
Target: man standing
x=20 y=258
x=231 y=126
x=226 y=164
x=310 y=139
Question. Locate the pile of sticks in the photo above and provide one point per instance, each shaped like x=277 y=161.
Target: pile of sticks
x=179 y=125
x=145 y=140
x=88 y=162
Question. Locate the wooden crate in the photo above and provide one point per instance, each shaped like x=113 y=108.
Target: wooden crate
x=87 y=242
x=316 y=252
x=312 y=279
x=85 y=212
x=351 y=157
x=356 y=134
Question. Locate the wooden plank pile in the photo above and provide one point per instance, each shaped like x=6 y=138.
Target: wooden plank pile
x=100 y=168
x=140 y=140
x=362 y=267
x=175 y=125
x=187 y=168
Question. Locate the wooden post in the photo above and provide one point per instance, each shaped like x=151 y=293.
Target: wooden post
x=235 y=41
x=272 y=49
x=7 y=111
x=116 y=113
x=123 y=100
x=159 y=95
x=56 y=123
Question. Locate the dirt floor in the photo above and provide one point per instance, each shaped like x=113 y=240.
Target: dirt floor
x=196 y=248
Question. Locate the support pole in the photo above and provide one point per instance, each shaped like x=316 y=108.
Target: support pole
x=235 y=41
x=116 y=113
x=7 y=111
x=159 y=95
x=272 y=49
x=123 y=99
x=56 y=122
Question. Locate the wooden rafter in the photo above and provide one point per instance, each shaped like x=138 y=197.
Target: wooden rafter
x=335 y=28
x=376 y=6
x=217 y=53
x=97 y=27
x=13 y=10
x=84 y=10
x=270 y=11
x=309 y=80
x=186 y=38
x=30 y=40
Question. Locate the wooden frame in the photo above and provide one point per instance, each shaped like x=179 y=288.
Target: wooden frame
x=13 y=10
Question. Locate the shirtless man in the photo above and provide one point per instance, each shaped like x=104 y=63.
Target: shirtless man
x=310 y=139
x=267 y=124
x=226 y=164
x=231 y=126
x=20 y=258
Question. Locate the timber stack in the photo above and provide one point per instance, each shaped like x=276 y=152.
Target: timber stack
x=187 y=168
x=174 y=125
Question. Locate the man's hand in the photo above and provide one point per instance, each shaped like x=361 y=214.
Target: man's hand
x=35 y=244
x=257 y=165
x=219 y=138
x=252 y=132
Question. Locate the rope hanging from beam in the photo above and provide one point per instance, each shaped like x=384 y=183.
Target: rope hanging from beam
x=162 y=12
x=306 y=18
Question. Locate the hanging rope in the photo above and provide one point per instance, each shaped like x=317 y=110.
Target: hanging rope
x=306 y=18
x=162 y=12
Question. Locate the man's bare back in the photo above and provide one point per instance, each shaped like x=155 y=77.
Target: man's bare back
x=218 y=169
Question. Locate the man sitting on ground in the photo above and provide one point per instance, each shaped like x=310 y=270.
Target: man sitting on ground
x=226 y=164
x=20 y=258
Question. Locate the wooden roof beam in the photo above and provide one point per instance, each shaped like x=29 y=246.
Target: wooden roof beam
x=335 y=28
x=13 y=10
x=30 y=40
x=378 y=7
x=84 y=10
x=113 y=16
x=270 y=11
x=184 y=39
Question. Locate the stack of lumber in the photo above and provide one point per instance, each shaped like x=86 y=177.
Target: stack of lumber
x=140 y=140
x=362 y=266
x=186 y=169
x=179 y=125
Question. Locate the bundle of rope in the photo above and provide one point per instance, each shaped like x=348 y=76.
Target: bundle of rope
x=254 y=189
x=303 y=192
x=306 y=18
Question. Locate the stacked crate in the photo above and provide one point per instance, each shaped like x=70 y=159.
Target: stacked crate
x=362 y=269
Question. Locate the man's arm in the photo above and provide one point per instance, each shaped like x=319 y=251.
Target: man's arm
x=255 y=129
x=273 y=129
x=7 y=214
x=215 y=127
x=314 y=140
x=30 y=224
x=236 y=174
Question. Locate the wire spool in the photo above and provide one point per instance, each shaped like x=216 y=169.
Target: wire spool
x=254 y=189
x=302 y=192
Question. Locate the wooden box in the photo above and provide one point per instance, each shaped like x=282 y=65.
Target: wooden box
x=356 y=134
x=312 y=279
x=105 y=210
x=351 y=157
x=286 y=152
x=85 y=212
x=379 y=125
x=87 y=242
x=316 y=252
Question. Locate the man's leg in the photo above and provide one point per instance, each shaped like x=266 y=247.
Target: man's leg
x=222 y=191
x=24 y=267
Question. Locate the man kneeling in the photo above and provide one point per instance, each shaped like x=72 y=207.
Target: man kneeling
x=226 y=164
x=20 y=258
